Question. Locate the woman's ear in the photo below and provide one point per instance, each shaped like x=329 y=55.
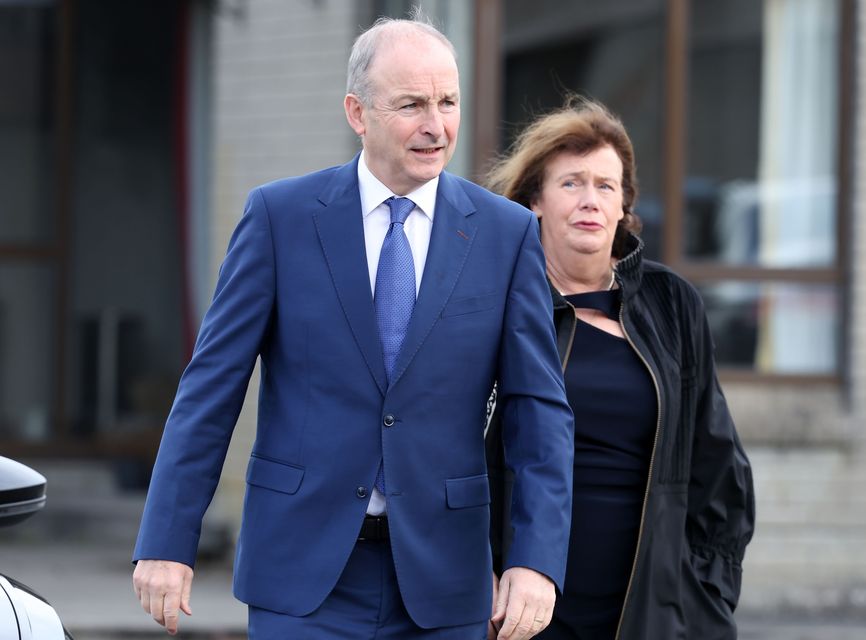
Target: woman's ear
x=533 y=206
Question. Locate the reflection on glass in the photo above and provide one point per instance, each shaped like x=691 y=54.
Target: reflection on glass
x=125 y=291
x=26 y=122
x=774 y=328
x=26 y=351
x=610 y=51
x=761 y=185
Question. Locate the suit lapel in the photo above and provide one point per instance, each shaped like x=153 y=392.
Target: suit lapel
x=450 y=240
x=341 y=231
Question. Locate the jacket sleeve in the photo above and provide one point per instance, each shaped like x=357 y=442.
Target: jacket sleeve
x=721 y=500
x=210 y=394
x=537 y=423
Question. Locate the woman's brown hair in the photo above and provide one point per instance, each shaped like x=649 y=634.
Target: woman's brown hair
x=581 y=126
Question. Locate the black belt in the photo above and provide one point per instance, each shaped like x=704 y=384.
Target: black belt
x=375 y=529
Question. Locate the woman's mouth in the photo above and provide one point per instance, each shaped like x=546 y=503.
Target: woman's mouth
x=587 y=225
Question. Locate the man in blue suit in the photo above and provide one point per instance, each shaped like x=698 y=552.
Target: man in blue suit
x=384 y=298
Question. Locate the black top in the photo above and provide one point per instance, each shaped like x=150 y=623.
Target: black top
x=614 y=402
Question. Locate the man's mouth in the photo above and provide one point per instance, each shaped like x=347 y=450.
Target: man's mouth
x=428 y=151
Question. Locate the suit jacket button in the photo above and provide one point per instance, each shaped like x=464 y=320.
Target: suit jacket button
x=388 y=420
x=361 y=492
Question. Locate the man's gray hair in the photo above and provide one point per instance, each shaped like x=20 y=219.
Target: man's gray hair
x=365 y=47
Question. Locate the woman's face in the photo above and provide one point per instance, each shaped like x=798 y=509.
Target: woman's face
x=580 y=203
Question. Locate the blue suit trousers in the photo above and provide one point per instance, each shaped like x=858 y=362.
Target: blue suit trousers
x=365 y=605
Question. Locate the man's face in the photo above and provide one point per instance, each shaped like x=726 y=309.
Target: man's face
x=410 y=128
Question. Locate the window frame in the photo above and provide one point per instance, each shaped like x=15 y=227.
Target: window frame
x=705 y=272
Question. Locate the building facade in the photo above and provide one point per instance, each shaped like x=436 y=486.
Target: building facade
x=130 y=137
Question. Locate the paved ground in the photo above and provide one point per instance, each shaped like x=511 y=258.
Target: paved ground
x=91 y=588
x=89 y=585
x=76 y=553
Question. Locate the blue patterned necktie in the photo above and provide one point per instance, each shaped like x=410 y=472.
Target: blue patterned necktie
x=395 y=283
x=395 y=292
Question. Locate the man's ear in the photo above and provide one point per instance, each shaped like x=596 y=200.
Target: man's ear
x=355 y=113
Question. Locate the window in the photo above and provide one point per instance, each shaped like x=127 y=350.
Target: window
x=735 y=111
x=759 y=223
x=612 y=52
x=91 y=277
x=29 y=248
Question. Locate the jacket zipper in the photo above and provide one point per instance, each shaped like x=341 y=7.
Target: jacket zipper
x=649 y=475
x=570 y=337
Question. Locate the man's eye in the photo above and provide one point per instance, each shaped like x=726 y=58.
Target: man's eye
x=410 y=105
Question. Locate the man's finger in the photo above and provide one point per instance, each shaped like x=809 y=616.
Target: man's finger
x=501 y=600
x=171 y=612
x=184 y=597
x=157 y=609
x=539 y=621
x=513 y=617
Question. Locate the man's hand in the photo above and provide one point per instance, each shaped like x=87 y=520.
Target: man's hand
x=525 y=603
x=492 y=627
x=163 y=588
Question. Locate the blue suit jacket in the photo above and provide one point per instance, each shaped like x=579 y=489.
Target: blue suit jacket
x=294 y=290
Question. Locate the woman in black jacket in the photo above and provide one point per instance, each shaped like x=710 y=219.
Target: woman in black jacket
x=663 y=500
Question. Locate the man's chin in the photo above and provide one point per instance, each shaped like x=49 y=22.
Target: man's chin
x=426 y=173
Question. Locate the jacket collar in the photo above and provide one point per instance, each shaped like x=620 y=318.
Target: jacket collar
x=341 y=233
x=629 y=269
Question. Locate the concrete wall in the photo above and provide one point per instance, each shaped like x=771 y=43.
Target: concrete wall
x=280 y=78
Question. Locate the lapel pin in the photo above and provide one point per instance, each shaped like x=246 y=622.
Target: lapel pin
x=462 y=235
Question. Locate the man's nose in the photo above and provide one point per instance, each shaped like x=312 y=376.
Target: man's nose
x=433 y=125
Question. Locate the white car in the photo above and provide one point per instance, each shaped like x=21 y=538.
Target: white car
x=24 y=614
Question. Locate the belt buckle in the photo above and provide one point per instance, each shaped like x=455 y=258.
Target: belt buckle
x=374 y=528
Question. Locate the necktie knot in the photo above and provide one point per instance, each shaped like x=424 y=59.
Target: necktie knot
x=400 y=209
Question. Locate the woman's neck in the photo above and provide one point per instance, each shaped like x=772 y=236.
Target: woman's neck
x=585 y=273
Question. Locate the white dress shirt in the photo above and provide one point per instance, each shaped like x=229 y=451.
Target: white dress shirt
x=377 y=219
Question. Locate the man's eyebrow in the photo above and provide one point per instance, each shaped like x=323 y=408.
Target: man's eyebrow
x=412 y=97
x=418 y=97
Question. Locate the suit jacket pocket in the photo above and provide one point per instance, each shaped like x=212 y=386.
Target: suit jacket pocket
x=472 y=491
x=462 y=306
x=274 y=475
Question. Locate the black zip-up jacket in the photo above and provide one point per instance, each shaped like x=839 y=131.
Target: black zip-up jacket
x=699 y=509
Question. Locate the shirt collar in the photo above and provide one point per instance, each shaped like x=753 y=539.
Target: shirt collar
x=374 y=193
